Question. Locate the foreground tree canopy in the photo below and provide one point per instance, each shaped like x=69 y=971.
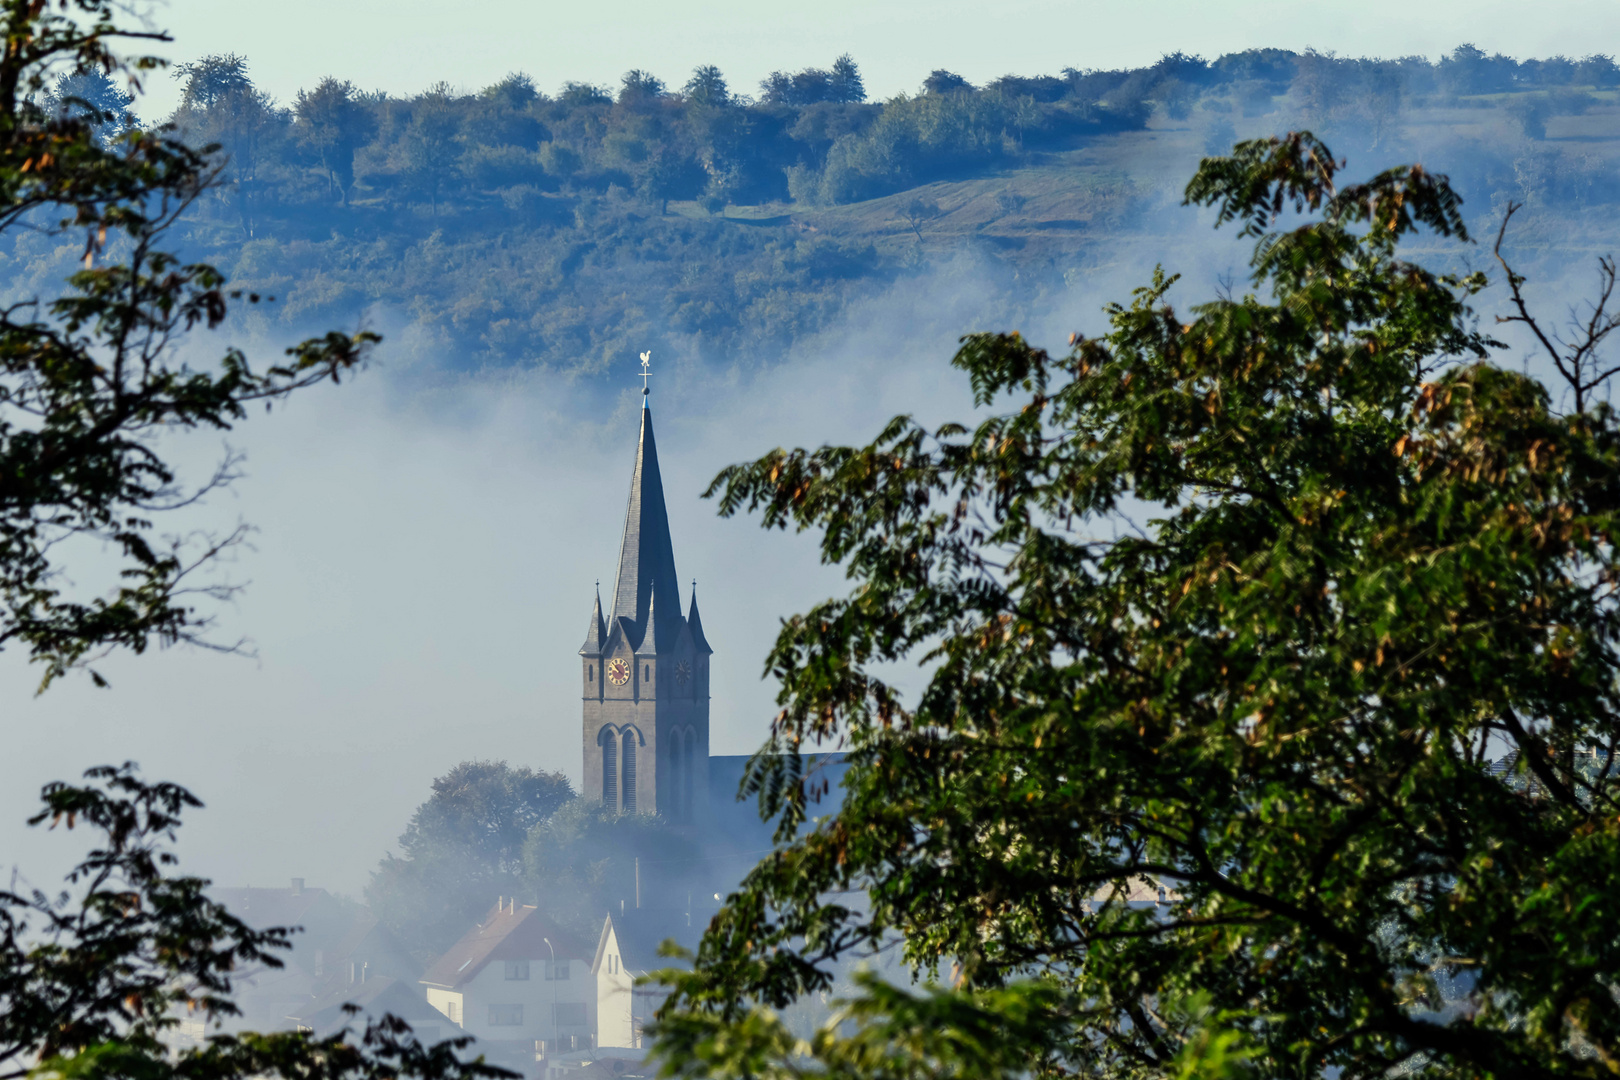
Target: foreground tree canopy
x=95 y=980
x=94 y=983
x=1369 y=561
x=89 y=378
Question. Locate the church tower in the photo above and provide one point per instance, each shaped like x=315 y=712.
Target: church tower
x=645 y=668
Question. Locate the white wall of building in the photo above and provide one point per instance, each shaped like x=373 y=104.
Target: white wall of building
x=615 y=1013
x=479 y=1004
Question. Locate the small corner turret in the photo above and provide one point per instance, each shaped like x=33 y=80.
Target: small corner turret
x=596 y=633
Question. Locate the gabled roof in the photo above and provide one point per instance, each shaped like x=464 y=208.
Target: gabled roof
x=506 y=933
x=646 y=553
x=640 y=932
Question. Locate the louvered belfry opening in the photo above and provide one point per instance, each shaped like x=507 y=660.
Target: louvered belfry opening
x=610 y=770
x=629 y=785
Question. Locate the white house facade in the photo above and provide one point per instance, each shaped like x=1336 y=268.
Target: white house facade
x=516 y=979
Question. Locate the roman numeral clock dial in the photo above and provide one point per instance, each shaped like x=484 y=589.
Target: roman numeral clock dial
x=618 y=672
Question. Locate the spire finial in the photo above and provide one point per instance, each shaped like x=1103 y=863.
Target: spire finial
x=646 y=364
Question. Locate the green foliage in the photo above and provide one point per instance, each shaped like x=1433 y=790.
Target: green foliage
x=530 y=229
x=707 y=87
x=213 y=79
x=334 y=123
x=492 y=830
x=891 y=1035
x=581 y=861
x=941 y=81
x=1223 y=614
x=95 y=99
x=462 y=849
x=88 y=375
x=93 y=983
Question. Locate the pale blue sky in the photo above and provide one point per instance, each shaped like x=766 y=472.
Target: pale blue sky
x=404 y=45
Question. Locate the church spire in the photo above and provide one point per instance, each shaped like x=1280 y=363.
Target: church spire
x=596 y=634
x=699 y=642
x=646 y=555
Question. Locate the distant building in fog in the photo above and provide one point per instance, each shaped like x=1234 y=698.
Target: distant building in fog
x=644 y=679
x=516 y=980
x=644 y=683
x=340 y=949
x=644 y=671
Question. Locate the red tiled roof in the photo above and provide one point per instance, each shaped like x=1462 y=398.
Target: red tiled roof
x=504 y=934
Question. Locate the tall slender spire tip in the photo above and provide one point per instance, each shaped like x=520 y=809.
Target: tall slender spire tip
x=646 y=555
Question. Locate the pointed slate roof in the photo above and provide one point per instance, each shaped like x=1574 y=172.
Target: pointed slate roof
x=596 y=633
x=646 y=554
x=649 y=638
x=699 y=642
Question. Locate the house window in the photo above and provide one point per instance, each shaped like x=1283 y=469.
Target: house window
x=506 y=1016
x=517 y=969
x=570 y=1014
x=455 y=1012
x=559 y=971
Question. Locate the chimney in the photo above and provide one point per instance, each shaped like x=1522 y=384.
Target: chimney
x=298 y=886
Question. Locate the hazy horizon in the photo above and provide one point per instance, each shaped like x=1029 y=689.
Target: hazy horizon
x=413 y=47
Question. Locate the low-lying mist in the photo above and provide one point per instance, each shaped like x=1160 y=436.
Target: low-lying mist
x=427 y=543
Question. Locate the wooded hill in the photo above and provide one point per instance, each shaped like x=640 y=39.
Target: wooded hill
x=570 y=230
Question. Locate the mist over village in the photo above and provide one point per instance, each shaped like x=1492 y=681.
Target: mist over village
x=1012 y=543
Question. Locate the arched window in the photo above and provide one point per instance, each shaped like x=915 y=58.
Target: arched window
x=610 y=769
x=629 y=785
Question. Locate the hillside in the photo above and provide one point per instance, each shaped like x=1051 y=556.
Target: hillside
x=511 y=229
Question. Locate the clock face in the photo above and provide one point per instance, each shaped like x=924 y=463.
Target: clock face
x=683 y=671
x=618 y=672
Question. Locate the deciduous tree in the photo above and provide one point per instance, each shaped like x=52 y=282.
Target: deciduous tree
x=334 y=123
x=1225 y=613
x=89 y=378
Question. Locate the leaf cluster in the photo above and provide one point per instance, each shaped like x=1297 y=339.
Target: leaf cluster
x=94 y=982
x=89 y=379
x=1225 y=614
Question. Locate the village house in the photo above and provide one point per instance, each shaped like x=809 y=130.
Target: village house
x=517 y=982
